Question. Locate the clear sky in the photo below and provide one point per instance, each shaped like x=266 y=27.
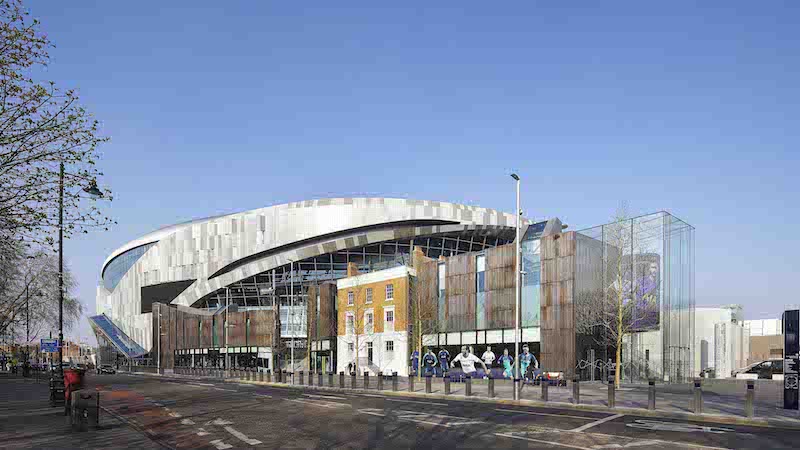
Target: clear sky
x=218 y=107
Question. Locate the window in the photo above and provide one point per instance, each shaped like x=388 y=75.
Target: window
x=369 y=320
x=389 y=346
x=390 y=291
x=350 y=347
x=369 y=352
x=480 y=289
x=369 y=295
x=390 y=315
x=349 y=324
x=350 y=298
x=442 y=297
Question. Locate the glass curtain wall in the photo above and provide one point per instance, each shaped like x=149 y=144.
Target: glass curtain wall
x=642 y=270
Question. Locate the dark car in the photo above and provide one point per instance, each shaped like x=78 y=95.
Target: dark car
x=771 y=369
x=106 y=368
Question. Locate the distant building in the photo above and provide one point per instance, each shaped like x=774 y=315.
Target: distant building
x=766 y=339
x=724 y=323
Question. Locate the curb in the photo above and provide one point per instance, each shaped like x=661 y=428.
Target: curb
x=706 y=418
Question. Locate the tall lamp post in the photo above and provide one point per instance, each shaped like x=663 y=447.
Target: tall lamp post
x=95 y=193
x=517 y=270
x=291 y=311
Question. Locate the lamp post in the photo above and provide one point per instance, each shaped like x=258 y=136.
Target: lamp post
x=227 y=306
x=291 y=311
x=517 y=270
x=95 y=193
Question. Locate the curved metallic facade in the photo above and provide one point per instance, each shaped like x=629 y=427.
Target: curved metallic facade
x=211 y=254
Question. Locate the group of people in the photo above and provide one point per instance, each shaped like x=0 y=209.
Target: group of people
x=440 y=364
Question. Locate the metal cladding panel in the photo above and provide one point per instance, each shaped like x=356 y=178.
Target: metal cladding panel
x=557 y=303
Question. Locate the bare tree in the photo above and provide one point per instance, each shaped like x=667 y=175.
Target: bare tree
x=41 y=127
x=424 y=307
x=625 y=298
x=356 y=329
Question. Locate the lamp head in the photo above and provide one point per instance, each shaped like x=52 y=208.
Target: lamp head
x=515 y=176
x=93 y=190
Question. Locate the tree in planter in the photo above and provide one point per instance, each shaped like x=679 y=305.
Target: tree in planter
x=625 y=296
x=424 y=307
x=41 y=127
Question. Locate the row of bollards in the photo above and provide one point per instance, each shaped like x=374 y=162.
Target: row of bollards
x=696 y=402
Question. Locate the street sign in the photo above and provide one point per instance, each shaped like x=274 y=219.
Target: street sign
x=49 y=345
x=791 y=346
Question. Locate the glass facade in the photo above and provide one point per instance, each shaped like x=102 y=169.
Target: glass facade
x=531 y=279
x=120 y=265
x=480 y=292
x=642 y=270
x=442 y=284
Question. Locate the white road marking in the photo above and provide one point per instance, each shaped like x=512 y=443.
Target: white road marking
x=245 y=385
x=525 y=438
x=414 y=416
x=187 y=422
x=264 y=395
x=597 y=422
x=545 y=414
x=202 y=432
x=193 y=386
x=219 y=422
x=372 y=395
x=325 y=396
x=628 y=445
x=656 y=425
x=203 y=384
x=174 y=414
x=220 y=445
x=241 y=436
x=413 y=401
x=226 y=390
x=331 y=405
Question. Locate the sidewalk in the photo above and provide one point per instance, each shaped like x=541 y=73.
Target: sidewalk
x=28 y=421
x=719 y=404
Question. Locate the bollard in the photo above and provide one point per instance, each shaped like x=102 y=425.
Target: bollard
x=651 y=394
x=611 y=399
x=427 y=383
x=380 y=381
x=301 y=377
x=394 y=381
x=748 y=399
x=319 y=378
x=269 y=376
x=491 y=387
x=698 y=397
x=310 y=378
x=330 y=379
x=517 y=387
x=411 y=383
x=545 y=385
x=261 y=377
x=576 y=390
x=366 y=380
x=468 y=386
x=446 y=385
x=341 y=380
x=353 y=380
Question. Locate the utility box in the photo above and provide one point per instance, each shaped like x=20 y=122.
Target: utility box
x=85 y=411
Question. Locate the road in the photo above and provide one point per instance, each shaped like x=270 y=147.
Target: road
x=180 y=413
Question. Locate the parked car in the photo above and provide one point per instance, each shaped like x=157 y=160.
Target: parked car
x=770 y=369
x=106 y=368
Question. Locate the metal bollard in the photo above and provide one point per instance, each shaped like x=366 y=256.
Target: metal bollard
x=310 y=378
x=319 y=378
x=269 y=376
x=468 y=386
x=612 y=403
x=261 y=377
x=428 y=383
x=301 y=377
x=545 y=385
x=353 y=380
x=517 y=387
x=341 y=380
x=380 y=381
x=651 y=394
x=749 y=398
x=446 y=385
x=491 y=387
x=366 y=380
x=410 y=383
x=330 y=379
x=576 y=390
x=394 y=381
x=698 y=396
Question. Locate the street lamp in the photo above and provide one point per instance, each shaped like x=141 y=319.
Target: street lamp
x=291 y=311
x=517 y=270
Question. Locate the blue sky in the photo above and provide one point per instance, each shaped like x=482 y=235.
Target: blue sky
x=226 y=106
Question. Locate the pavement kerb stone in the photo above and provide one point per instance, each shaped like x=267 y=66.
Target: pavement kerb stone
x=710 y=418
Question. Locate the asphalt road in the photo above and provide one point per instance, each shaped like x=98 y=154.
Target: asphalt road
x=217 y=415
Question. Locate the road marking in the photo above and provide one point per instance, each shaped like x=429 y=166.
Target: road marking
x=241 y=436
x=193 y=385
x=413 y=401
x=628 y=445
x=655 y=425
x=414 y=416
x=372 y=395
x=245 y=385
x=176 y=415
x=321 y=403
x=202 y=432
x=219 y=422
x=597 y=422
x=203 y=384
x=264 y=395
x=220 y=445
x=187 y=422
x=525 y=438
x=325 y=396
x=226 y=390
x=545 y=414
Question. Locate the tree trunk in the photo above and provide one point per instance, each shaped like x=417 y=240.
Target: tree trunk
x=619 y=345
x=419 y=348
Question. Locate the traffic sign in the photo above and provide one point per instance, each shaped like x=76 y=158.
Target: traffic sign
x=49 y=345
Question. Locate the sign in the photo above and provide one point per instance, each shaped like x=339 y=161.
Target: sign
x=49 y=345
x=791 y=345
